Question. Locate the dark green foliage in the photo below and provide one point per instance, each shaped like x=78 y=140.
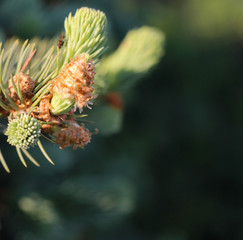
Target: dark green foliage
x=110 y=119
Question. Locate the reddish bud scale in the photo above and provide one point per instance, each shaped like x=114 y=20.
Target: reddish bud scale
x=26 y=86
x=22 y=108
x=74 y=81
x=42 y=112
x=73 y=134
x=115 y=100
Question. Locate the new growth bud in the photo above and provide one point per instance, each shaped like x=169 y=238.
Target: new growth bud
x=73 y=134
x=23 y=131
x=72 y=87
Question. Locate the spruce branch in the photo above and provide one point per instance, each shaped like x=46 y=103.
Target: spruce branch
x=31 y=85
x=43 y=82
x=30 y=94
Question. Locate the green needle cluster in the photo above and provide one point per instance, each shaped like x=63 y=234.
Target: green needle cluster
x=84 y=33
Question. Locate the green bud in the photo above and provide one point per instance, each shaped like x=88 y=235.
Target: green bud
x=23 y=131
x=61 y=105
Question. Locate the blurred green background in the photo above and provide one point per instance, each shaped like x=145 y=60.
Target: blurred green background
x=175 y=170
